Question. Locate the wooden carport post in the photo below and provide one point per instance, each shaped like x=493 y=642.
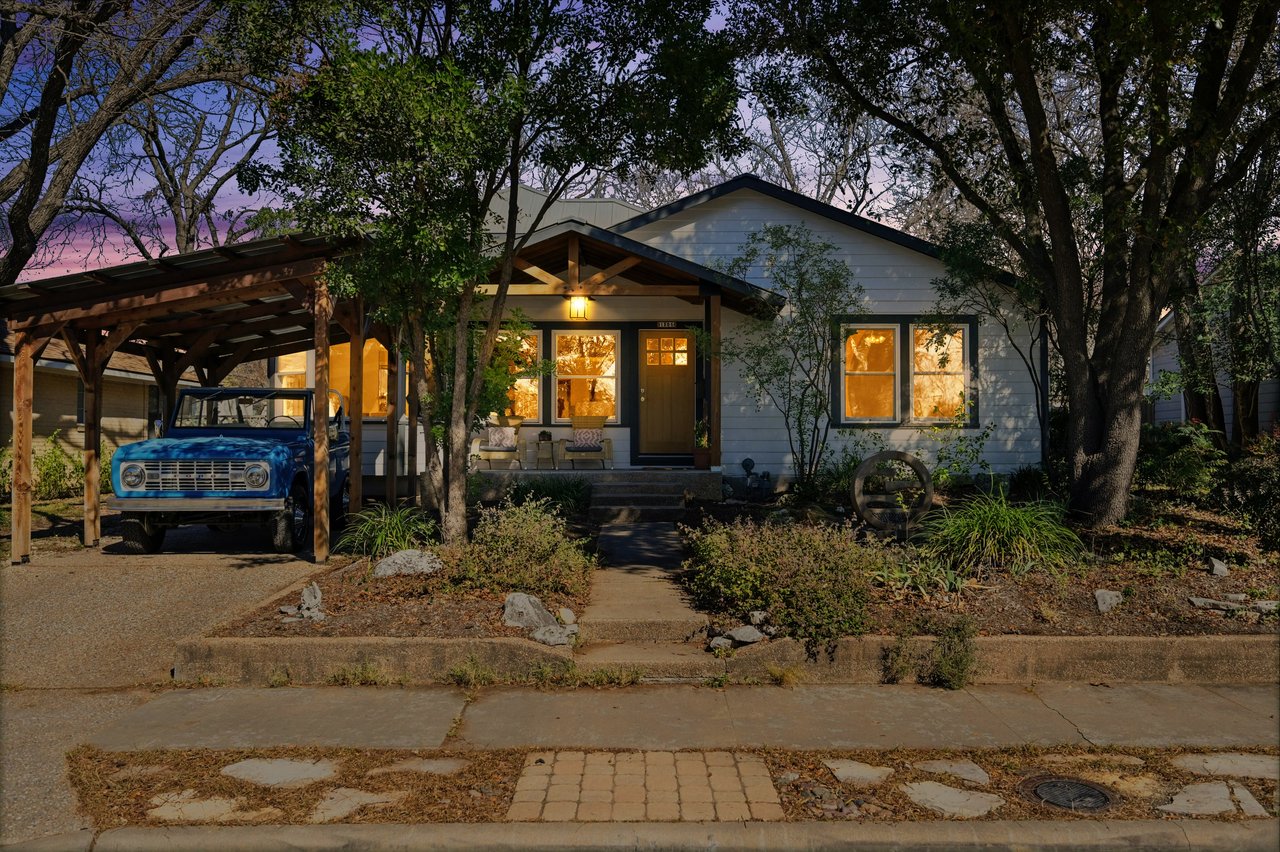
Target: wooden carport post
x=320 y=424
x=27 y=347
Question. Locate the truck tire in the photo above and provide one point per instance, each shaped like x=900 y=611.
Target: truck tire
x=292 y=524
x=140 y=537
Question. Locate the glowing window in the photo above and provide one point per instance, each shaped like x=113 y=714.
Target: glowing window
x=586 y=374
x=376 y=370
x=291 y=372
x=938 y=373
x=525 y=394
x=870 y=385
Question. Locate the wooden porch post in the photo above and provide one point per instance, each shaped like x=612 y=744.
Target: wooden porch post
x=713 y=382
x=320 y=425
x=92 y=437
x=391 y=469
x=356 y=404
x=26 y=350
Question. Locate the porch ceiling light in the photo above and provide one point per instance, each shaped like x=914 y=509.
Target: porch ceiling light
x=578 y=307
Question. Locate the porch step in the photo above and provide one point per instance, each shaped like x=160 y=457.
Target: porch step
x=670 y=487
x=664 y=661
x=636 y=514
x=637 y=498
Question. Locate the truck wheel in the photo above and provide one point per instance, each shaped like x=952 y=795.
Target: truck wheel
x=140 y=537
x=292 y=524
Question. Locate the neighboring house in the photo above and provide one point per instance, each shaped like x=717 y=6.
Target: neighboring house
x=626 y=354
x=1173 y=409
x=131 y=399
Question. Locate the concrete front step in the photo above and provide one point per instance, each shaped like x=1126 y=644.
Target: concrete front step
x=642 y=630
x=635 y=514
x=664 y=661
x=637 y=499
x=610 y=489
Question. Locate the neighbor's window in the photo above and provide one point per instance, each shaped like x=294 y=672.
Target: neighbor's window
x=938 y=373
x=376 y=369
x=291 y=372
x=525 y=394
x=586 y=374
x=870 y=384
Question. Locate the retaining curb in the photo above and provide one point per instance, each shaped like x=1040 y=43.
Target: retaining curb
x=987 y=835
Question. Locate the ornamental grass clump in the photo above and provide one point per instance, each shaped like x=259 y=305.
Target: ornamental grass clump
x=990 y=532
x=380 y=530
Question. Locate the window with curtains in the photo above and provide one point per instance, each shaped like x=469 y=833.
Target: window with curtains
x=586 y=374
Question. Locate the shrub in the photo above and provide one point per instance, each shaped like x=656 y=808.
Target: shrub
x=990 y=532
x=1181 y=457
x=57 y=473
x=810 y=579
x=6 y=470
x=833 y=481
x=1029 y=483
x=521 y=547
x=954 y=655
x=571 y=495
x=1252 y=488
x=382 y=530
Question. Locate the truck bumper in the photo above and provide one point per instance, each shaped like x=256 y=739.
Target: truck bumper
x=196 y=504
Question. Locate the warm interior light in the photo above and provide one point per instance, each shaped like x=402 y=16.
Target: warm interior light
x=577 y=307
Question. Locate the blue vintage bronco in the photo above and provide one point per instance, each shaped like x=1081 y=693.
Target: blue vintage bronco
x=231 y=456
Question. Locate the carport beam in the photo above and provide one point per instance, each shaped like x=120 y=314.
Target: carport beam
x=320 y=425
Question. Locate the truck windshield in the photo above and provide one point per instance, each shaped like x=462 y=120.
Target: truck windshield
x=264 y=409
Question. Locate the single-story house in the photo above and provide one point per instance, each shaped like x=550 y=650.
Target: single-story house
x=612 y=292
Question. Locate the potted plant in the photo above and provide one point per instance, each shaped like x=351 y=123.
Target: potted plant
x=545 y=436
x=701 y=445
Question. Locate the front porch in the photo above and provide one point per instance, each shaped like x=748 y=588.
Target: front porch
x=635 y=494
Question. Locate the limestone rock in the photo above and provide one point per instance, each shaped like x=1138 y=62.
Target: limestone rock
x=409 y=563
x=567 y=616
x=857 y=773
x=424 y=765
x=1230 y=764
x=1210 y=603
x=345 y=801
x=1235 y=597
x=720 y=643
x=281 y=772
x=187 y=806
x=522 y=610
x=745 y=635
x=950 y=801
x=965 y=770
x=1107 y=600
x=1218 y=568
x=1264 y=607
x=1208 y=798
x=1248 y=804
x=757 y=617
x=552 y=635
x=311 y=607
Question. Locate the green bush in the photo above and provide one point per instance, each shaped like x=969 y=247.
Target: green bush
x=57 y=473
x=1181 y=457
x=381 y=530
x=832 y=484
x=571 y=495
x=6 y=470
x=520 y=548
x=1252 y=488
x=988 y=531
x=810 y=579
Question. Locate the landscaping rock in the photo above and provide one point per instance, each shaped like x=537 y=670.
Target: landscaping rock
x=1249 y=806
x=309 y=609
x=281 y=772
x=950 y=801
x=409 y=563
x=345 y=801
x=1238 y=597
x=1107 y=600
x=720 y=643
x=567 y=616
x=966 y=770
x=1230 y=764
x=187 y=806
x=552 y=635
x=1210 y=603
x=857 y=773
x=572 y=629
x=424 y=765
x=1204 y=799
x=521 y=610
x=1264 y=607
x=745 y=635
x=757 y=617
x=1218 y=568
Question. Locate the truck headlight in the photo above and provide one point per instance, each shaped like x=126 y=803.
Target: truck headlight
x=256 y=476
x=132 y=476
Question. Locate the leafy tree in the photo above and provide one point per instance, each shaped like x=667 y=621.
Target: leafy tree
x=425 y=116
x=788 y=359
x=1092 y=137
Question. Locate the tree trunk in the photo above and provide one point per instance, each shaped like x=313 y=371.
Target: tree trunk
x=1199 y=373
x=1244 y=427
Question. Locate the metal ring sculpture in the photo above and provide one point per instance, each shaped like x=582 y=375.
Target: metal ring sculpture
x=882 y=507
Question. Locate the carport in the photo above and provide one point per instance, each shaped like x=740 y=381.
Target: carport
x=205 y=313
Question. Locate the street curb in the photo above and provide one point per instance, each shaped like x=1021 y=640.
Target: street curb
x=531 y=837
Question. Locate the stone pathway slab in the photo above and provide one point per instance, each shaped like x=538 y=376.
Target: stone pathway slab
x=283 y=773
x=950 y=801
x=1231 y=764
x=965 y=770
x=857 y=773
x=187 y=806
x=424 y=765
x=1205 y=799
x=344 y=801
x=259 y=718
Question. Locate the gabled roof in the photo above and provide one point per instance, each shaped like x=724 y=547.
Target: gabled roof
x=657 y=267
x=787 y=196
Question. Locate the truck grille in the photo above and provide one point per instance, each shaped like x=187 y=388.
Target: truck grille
x=195 y=475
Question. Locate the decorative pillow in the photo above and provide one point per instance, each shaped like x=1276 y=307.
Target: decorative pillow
x=587 y=437
x=502 y=437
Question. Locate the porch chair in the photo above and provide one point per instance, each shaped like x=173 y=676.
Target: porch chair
x=588 y=442
x=501 y=443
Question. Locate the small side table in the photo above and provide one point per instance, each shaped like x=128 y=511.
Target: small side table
x=545 y=452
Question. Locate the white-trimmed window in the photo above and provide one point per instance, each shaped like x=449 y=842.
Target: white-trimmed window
x=586 y=374
x=869 y=385
x=939 y=373
x=291 y=372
